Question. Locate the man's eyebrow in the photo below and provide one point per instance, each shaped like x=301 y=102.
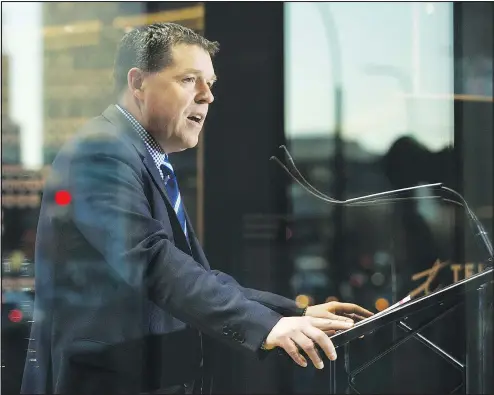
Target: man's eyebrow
x=214 y=78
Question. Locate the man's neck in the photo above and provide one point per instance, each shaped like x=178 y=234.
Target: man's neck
x=130 y=106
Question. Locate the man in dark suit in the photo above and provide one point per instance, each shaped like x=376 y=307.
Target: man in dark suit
x=126 y=301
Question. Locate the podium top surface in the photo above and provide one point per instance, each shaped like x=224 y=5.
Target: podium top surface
x=453 y=292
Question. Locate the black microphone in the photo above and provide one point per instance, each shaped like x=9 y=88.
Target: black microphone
x=381 y=198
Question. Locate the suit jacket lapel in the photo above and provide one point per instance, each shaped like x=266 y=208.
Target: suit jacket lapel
x=113 y=114
x=194 y=245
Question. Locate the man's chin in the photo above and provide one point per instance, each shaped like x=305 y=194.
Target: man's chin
x=191 y=142
x=183 y=141
x=187 y=145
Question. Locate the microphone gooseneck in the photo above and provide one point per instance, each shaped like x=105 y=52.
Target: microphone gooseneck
x=388 y=197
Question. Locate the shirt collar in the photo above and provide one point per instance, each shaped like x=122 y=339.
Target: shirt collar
x=157 y=153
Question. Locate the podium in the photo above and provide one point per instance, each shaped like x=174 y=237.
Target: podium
x=475 y=369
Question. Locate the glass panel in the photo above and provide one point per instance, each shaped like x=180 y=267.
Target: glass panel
x=378 y=96
x=361 y=94
x=370 y=106
x=57 y=62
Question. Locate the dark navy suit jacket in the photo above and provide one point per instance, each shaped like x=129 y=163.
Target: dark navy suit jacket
x=114 y=256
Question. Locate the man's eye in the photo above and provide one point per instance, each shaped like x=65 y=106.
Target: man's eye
x=189 y=79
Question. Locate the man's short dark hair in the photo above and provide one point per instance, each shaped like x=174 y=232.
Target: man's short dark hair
x=149 y=49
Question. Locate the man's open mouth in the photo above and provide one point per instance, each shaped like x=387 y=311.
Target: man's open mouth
x=195 y=118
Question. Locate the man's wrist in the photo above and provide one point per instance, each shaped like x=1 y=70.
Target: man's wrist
x=304 y=312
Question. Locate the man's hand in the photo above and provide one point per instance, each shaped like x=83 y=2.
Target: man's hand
x=295 y=333
x=338 y=311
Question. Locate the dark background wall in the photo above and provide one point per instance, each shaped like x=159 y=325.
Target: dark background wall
x=474 y=131
x=245 y=197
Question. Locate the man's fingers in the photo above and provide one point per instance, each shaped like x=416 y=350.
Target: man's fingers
x=345 y=318
x=326 y=324
x=363 y=312
x=350 y=308
x=292 y=350
x=322 y=340
x=355 y=317
x=306 y=344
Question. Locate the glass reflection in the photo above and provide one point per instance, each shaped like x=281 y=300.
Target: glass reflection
x=369 y=107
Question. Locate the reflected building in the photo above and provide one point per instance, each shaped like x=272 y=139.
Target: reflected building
x=11 y=148
x=79 y=42
x=20 y=200
x=21 y=188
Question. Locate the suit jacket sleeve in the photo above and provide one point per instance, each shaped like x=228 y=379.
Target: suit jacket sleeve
x=278 y=303
x=110 y=209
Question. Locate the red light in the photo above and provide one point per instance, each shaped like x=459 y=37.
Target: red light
x=62 y=198
x=15 y=315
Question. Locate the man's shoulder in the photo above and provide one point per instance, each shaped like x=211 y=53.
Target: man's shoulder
x=98 y=136
x=98 y=130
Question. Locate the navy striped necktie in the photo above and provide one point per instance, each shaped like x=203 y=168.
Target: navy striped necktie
x=157 y=318
x=171 y=186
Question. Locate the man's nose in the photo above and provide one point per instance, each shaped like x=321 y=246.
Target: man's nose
x=205 y=95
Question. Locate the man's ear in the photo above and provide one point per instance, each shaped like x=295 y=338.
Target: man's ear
x=135 y=80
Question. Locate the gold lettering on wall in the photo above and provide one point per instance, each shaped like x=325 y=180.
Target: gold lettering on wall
x=459 y=271
x=456 y=270
x=431 y=275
